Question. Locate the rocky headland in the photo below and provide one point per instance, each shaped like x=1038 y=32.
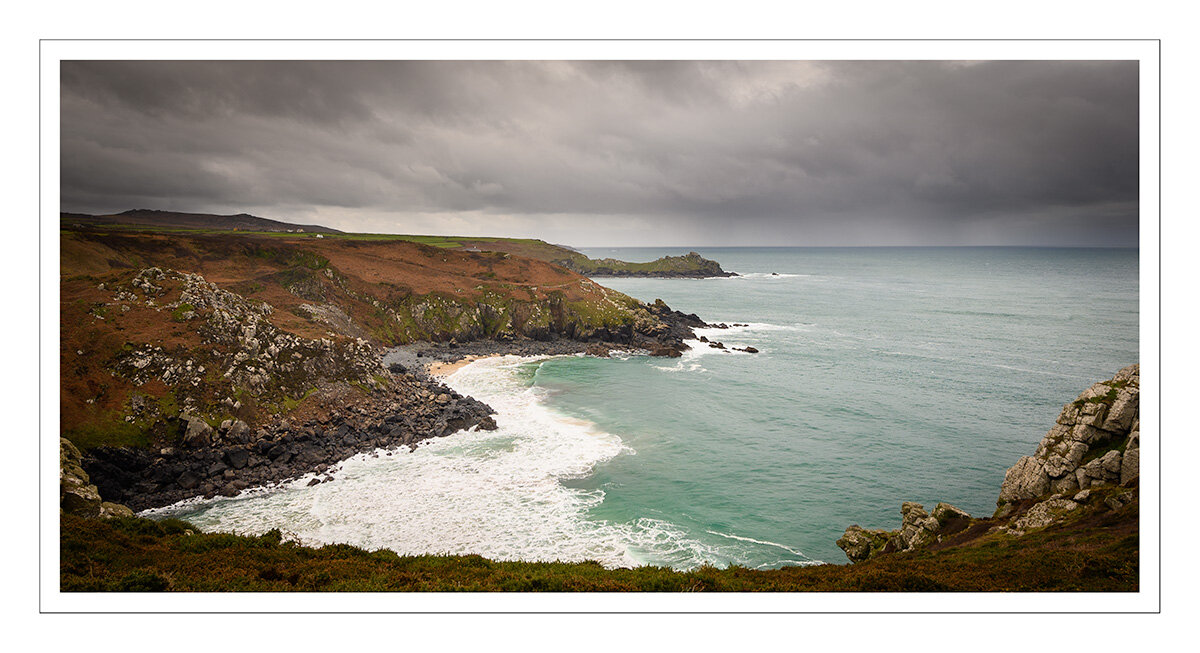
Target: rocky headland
x=1084 y=468
x=687 y=266
x=301 y=355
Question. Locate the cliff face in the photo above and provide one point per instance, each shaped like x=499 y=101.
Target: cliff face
x=1095 y=441
x=1084 y=467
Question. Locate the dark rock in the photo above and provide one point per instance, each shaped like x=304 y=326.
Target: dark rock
x=487 y=423
x=240 y=432
x=669 y=352
x=599 y=350
x=188 y=480
x=237 y=458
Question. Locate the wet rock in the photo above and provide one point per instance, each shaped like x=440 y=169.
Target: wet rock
x=487 y=424
x=599 y=350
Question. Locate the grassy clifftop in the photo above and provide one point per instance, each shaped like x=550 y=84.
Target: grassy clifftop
x=389 y=292
x=690 y=265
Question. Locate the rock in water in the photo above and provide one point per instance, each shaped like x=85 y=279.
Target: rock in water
x=669 y=352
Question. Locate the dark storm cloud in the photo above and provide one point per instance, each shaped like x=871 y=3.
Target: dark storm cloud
x=621 y=152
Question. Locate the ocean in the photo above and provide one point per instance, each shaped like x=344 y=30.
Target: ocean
x=884 y=375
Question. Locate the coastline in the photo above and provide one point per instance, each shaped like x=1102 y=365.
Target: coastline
x=415 y=405
x=497 y=493
x=1084 y=557
x=411 y=409
x=442 y=370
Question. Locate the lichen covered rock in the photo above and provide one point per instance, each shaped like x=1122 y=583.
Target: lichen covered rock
x=1094 y=443
x=1043 y=514
x=860 y=543
x=77 y=495
x=918 y=528
x=1089 y=445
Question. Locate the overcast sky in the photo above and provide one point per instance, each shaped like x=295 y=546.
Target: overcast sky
x=620 y=153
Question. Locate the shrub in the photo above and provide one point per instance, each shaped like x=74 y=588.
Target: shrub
x=141 y=580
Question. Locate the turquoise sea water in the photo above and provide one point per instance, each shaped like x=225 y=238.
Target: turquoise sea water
x=885 y=375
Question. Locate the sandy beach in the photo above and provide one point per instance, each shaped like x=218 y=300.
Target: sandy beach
x=443 y=369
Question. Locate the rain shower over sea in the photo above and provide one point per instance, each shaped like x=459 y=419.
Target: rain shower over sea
x=884 y=375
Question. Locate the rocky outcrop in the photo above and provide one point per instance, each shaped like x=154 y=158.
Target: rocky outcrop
x=860 y=543
x=231 y=457
x=240 y=348
x=658 y=330
x=1093 y=447
x=918 y=528
x=1094 y=442
x=1043 y=513
x=77 y=494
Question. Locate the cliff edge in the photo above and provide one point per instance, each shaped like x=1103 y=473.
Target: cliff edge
x=1086 y=465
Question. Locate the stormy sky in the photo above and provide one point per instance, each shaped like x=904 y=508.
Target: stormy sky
x=620 y=153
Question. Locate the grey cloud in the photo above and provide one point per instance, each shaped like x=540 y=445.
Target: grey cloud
x=686 y=152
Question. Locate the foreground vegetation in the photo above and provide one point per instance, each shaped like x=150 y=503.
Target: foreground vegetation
x=1096 y=552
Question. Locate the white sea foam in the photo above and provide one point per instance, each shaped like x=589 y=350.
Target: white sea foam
x=749 y=328
x=765 y=275
x=494 y=493
x=767 y=543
